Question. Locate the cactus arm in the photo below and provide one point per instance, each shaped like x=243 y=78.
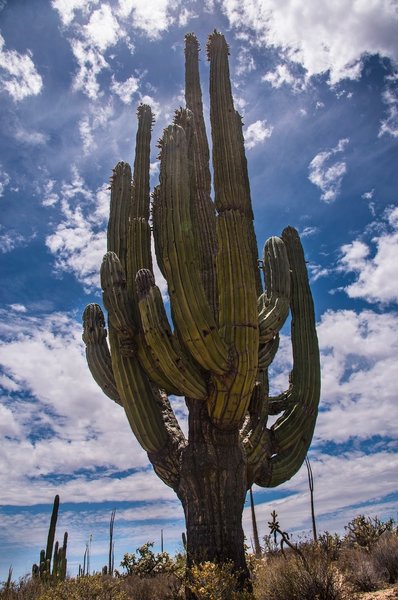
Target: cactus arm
x=97 y=351
x=169 y=357
x=231 y=181
x=274 y=302
x=292 y=432
x=191 y=312
x=203 y=210
x=238 y=320
x=119 y=211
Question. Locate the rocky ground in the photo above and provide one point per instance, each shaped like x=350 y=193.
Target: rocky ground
x=387 y=594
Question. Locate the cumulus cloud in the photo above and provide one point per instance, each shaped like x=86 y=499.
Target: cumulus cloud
x=375 y=267
x=30 y=138
x=358 y=374
x=19 y=76
x=334 y=39
x=327 y=173
x=152 y=18
x=257 y=132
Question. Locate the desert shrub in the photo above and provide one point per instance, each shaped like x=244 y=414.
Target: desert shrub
x=159 y=587
x=282 y=578
x=93 y=587
x=147 y=563
x=365 y=531
x=209 y=581
x=384 y=555
x=359 y=570
x=331 y=544
x=25 y=589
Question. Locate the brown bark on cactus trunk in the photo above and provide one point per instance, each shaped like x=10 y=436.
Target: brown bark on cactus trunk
x=212 y=490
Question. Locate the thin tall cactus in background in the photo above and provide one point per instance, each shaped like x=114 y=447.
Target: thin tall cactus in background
x=225 y=323
x=55 y=553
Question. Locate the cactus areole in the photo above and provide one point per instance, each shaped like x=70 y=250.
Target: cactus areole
x=226 y=312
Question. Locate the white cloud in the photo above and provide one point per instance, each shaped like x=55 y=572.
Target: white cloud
x=68 y=8
x=20 y=308
x=326 y=174
x=103 y=29
x=90 y=64
x=4 y=181
x=377 y=275
x=44 y=358
x=245 y=62
x=20 y=77
x=343 y=485
x=256 y=133
x=359 y=371
x=333 y=39
x=31 y=138
x=11 y=239
x=79 y=241
x=282 y=75
x=50 y=197
x=125 y=89
x=152 y=18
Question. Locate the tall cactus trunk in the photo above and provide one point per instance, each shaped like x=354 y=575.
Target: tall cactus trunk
x=212 y=490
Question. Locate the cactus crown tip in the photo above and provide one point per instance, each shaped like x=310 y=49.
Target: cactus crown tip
x=216 y=42
x=144 y=281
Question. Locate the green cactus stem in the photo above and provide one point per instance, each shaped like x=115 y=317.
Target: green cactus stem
x=225 y=324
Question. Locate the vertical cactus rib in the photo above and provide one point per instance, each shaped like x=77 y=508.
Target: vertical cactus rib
x=203 y=210
x=169 y=357
x=97 y=351
x=292 y=432
x=191 y=311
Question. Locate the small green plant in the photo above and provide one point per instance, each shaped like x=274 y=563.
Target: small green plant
x=331 y=544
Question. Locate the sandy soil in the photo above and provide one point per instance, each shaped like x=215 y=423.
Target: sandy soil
x=387 y=594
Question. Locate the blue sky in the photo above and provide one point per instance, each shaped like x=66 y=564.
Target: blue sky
x=317 y=89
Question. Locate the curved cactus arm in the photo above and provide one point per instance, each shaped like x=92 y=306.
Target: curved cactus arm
x=169 y=357
x=274 y=302
x=202 y=207
x=118 y=302
x=139 y=398
x=97 y=351
x=192 y=315
x=292 y=432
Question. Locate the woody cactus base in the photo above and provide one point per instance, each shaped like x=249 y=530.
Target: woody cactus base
x=225 y=325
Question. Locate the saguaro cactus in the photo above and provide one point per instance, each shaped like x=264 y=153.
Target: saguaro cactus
x=226 y=326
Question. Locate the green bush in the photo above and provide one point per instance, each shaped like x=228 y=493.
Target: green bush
x=365 y=531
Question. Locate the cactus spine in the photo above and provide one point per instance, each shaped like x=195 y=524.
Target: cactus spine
x=226 y=325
